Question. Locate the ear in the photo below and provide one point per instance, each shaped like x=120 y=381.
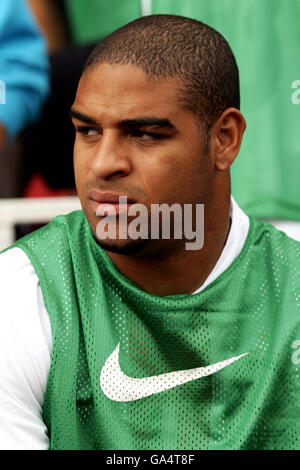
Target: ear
x=226 y=137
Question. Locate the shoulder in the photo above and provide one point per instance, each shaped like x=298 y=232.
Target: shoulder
x=22 y=311
x=14 y=261
x=21 y=302
x=25 y=350
x=274 y=260
x=59 y=226
x=276 y=242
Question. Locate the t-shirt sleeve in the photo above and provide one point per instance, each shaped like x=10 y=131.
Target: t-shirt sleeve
x=25 y=350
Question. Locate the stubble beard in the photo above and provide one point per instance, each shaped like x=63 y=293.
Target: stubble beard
x=126 y=247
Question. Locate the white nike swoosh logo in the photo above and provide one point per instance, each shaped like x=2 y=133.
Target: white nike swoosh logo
x=117 y=386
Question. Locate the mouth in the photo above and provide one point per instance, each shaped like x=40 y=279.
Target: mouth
x=109 y=203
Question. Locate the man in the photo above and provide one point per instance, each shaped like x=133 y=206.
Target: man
x=154 y=346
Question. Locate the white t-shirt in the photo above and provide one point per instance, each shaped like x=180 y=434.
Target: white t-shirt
x=26 y=340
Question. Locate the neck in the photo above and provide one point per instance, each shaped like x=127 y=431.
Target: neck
x=178 y=271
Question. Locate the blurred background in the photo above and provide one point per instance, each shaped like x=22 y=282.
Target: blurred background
x=43 y=46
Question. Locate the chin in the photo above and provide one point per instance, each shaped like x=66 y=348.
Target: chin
x=124 y=247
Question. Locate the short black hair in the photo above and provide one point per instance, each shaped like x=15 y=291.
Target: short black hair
x=170 y=46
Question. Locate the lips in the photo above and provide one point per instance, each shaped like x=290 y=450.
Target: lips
x=108 y=203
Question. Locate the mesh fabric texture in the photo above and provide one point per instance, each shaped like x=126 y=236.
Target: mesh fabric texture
x=253 y=307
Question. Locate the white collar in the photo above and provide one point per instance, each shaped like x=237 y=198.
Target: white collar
x=235 y=241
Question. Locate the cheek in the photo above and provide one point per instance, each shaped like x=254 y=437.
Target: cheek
x=155 y=179
x=79 y=172
x=76 y=165
x=183 y=178
x=164 y=181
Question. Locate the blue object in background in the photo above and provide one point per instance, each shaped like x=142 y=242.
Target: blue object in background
x=23 y=66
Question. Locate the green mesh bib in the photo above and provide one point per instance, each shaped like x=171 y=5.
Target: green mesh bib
x=251 y=309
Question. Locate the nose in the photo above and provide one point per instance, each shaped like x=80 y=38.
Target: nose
x=111 y=157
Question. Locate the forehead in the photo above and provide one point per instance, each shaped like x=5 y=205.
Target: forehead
x=125 y=91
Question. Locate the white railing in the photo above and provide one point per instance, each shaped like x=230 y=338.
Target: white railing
x=31 y=211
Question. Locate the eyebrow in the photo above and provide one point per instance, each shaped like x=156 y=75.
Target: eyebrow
x=147 y=122
x=82 y=117
x=128 y=123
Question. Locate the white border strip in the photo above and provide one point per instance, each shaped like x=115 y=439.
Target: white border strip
x=146 y=7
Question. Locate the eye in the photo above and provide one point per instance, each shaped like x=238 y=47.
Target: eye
x=145 y=135
x=86 y=131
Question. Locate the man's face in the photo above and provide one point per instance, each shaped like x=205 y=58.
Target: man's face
x=134 y=139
